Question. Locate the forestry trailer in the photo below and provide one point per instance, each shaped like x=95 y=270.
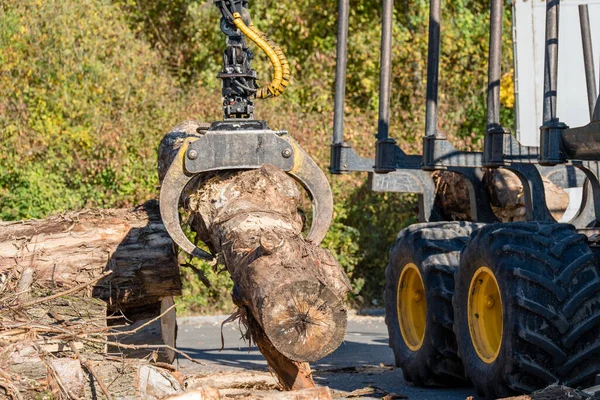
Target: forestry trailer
x=510 y=307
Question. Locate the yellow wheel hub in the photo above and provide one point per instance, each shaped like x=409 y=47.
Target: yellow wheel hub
x=411 y=306
x=485 y=315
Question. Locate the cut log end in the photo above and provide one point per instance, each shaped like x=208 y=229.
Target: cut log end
x=305 y=320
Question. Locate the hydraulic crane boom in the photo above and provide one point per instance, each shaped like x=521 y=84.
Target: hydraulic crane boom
x=239 y=79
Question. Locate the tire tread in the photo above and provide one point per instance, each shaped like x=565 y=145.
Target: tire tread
x=552 y=279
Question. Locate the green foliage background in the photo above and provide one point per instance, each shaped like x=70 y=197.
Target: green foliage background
x=88 y=88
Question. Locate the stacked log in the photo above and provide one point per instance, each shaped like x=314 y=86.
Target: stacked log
x=69 y=249
x=506 y=196
x=79 y=288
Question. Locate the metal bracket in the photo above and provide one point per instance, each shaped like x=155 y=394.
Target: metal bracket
x=589 y=212
x=581 y=143
x=439 y=154
x=551 y=151
x=408 y=181
x=344 y=159
x=493 y=152
x=218 y=150
x=386 y=151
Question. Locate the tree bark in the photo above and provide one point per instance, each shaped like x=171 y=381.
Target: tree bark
x=71 y=248
x=58 y=255
x=208 y=393
x=291 y=291
x=32 y=373
x=506 y=196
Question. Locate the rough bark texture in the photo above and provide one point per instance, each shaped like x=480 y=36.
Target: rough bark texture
x=35 y=374
x=506 y=196
x=72 y=248
x=451 y=196
x=72 y=284
x=292 y=291
x=208 y=393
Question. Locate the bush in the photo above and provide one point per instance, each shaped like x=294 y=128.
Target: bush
x=83 y=106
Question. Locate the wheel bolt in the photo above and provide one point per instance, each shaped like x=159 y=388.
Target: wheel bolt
x=417 y=296
x=489 y=302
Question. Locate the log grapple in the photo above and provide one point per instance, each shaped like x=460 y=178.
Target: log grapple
x=240 y=142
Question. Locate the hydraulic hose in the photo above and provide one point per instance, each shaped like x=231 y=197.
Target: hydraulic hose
x=281 y=66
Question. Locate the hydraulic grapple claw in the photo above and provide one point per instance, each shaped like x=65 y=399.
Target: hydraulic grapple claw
x=172 y=186
x=308 y=173
x=227 y=147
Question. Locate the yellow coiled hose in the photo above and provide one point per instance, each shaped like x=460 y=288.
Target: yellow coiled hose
x=281 y=66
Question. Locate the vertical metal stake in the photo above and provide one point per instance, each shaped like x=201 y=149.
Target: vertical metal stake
x=340 y=71
x=385 y=81
x=494 y=64
x=551 y=131
x=433 y=65
x=588 y=57
x=551 y=60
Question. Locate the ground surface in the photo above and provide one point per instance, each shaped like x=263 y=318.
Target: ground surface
x=364 y=360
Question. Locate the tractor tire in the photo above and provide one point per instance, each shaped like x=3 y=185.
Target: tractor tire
x=423 y=262
x=527 y=308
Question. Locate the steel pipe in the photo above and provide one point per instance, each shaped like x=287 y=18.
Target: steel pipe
x=433 y=65
x=588 y=57
x=340 y=71
x=551 y=61
x=494 y=64
x=385 y=82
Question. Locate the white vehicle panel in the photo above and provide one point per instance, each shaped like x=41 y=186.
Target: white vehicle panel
x=529 y=25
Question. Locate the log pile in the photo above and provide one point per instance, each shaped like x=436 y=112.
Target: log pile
x=80 y=294
x=506 y=196
x=290 y=292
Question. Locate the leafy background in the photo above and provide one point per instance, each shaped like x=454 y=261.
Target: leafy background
x=89 y=87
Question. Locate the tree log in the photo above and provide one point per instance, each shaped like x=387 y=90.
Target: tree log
x=506 y=196
x=32 y=374
x=208 y=393
x=104 y=267
x=68 y=249
x=292 y=291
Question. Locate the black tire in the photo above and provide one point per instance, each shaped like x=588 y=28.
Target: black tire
x=434 y=248
x=549 y=283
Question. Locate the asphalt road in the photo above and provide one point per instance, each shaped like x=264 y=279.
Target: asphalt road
x=364 y=359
